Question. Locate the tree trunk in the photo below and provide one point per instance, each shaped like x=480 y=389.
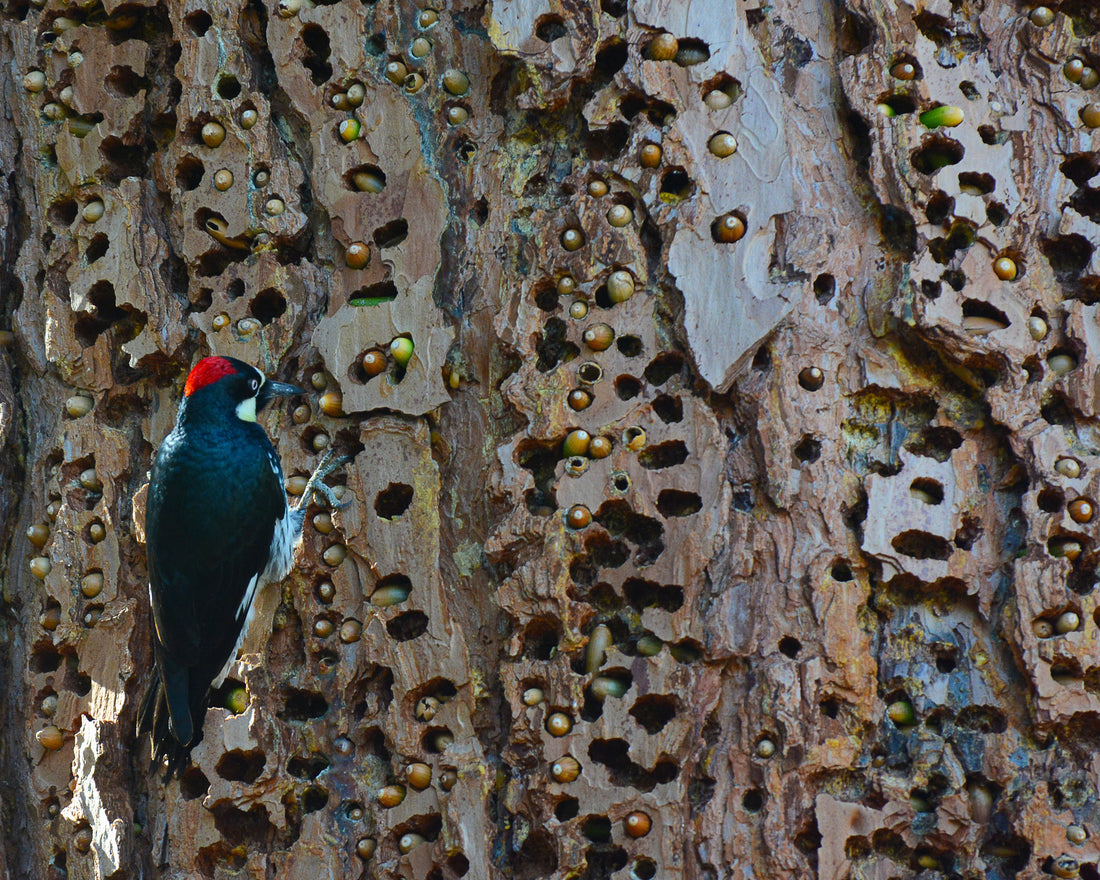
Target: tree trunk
x=813 y=595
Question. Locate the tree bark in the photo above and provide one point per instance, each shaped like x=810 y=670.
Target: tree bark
x=733 y=516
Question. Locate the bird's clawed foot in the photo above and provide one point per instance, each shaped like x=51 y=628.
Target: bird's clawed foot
x=325 y=467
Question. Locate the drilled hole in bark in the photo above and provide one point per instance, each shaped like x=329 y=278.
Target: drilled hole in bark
x=643 y=869
x=97 y=247
x=537 y=857
x=939 y=208
x=436 y=739
x=127 y=321
x=1068 y=255
x=122 y=82
x=198 y=23
x=808 y=449
x=947 y=658
x=663 y=367
x=299 y=705
x=629 y=346
x=63 y=212
x=267 y=305
x=540 y=639
x=627 y=387
x=393 y=501
x=228 y=87
x=307 y=766
x=316 y=54
x=596 y=828
x=921 y=545
x=899 y=103
x=314 y=800
x=392 y=234
x=984 y=719
x=676 y=185
x=566 y=809
x=981 y=184
x=552 y=346
x=927 y=490
x=550 y=27
x=663 y=455
x=691 y=51
x=241 y=766
x=789 y=646
x=642 y=593
x=45 y=658
x=959 y=238
x=408 y=626
x=193 y=783
x=824 y=289
x=644 y=532
x=753 y=800
x=654 y=711
x=669 y=409
x=936 y=153
x=674 y=502
x=936 y=442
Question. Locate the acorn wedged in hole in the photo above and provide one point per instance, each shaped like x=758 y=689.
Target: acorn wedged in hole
x=565 y=769
x=418 y=775
x=559 y=724
x=637 y=824
x=599 y=337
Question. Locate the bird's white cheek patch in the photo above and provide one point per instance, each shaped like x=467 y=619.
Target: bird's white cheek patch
x=246 y=410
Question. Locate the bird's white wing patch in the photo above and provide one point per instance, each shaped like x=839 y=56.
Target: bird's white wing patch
x=246 y=610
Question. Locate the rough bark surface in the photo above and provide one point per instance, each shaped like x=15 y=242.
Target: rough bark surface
x=816 y=599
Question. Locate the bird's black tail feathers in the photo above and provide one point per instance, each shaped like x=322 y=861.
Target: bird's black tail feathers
x=153 y=719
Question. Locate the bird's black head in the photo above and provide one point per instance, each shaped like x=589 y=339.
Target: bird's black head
x=225 y=382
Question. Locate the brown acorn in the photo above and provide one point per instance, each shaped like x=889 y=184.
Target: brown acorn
x=578 y=516
x=637 y=824
x=565 y=769
x=418 y=775
x=559 y=724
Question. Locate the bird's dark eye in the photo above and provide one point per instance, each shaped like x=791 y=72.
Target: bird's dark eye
x=255 y=383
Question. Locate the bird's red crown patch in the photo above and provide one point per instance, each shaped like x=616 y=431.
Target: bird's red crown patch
x=206 y=372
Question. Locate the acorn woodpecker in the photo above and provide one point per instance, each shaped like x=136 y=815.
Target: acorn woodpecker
x=217 y=527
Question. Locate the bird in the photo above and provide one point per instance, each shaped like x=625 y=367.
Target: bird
x=218 y=528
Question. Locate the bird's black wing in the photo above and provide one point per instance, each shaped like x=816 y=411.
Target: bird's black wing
x=207 y=541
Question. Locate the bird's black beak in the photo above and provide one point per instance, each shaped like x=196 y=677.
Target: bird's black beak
x=270 y=390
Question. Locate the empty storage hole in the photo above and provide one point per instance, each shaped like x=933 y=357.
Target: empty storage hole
x=241 y=766
x=198 y=23
x=663 y=367
x=937 y=152
x=654 y=711
x=391 y=234
x=566 y=809
x=550 y=28
x=808 y=449
x=921 y=545
x=663 y=455
x=669 y=409
x=408 y=626
x=789 y=646
x=315 y=57
x=393 y=501
x=228 y=87
x=267 y=305
x=627 y=387
x=97 y=247
x=824 y=288
x=629 y=346
x=674 y=502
